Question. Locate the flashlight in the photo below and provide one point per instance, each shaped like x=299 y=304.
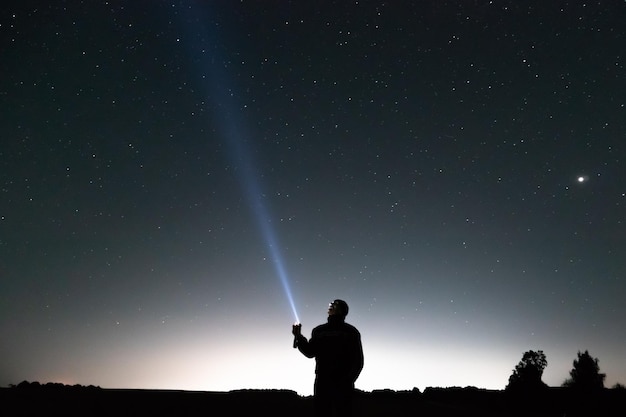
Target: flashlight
x=296 y=330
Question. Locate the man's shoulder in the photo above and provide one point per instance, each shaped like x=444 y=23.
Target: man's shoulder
x=342 y=327
x=320 y=327
x=351 y=328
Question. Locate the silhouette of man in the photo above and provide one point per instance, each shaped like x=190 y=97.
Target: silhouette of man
x=336 y=347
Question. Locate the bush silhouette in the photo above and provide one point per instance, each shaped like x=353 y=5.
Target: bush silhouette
x=585 y=375
x=527 y=374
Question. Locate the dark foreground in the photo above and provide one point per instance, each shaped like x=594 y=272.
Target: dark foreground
x=58 y=400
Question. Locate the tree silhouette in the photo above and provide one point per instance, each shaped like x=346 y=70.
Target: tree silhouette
x=585 y=375
x=527 y=374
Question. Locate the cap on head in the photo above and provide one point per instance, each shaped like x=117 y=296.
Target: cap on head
x=341 y=307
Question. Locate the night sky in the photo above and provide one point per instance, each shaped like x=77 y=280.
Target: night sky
x=181 y=181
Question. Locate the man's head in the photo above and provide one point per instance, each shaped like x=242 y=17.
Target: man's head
x=338 y=308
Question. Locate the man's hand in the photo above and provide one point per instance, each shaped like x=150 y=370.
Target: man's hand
x=296 y=330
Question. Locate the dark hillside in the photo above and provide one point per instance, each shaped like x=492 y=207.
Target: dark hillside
x=55 y=400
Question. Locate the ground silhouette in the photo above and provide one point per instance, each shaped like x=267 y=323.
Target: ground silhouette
x=34 y=399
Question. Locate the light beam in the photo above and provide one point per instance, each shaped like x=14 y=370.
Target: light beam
x=255 y=198
x=220 y=90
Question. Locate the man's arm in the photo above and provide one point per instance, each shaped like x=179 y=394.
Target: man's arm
x=301 y=342
x=306 y=347
x=357 y=365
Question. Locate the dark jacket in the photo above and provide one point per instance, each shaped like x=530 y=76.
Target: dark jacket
x=336 y=347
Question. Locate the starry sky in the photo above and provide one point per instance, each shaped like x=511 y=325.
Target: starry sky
x=181 y=181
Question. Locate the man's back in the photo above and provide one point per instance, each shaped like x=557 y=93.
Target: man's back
x=337 y=349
